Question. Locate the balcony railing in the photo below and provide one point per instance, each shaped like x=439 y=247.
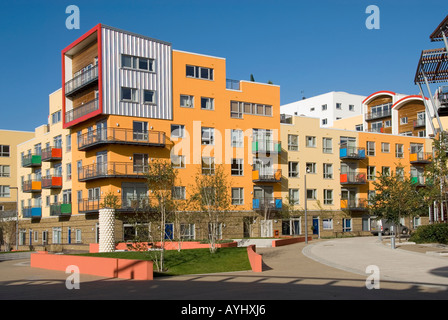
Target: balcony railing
x=267 y=203
x=81 y=111
x=32 y=186
x=121 y=136
x=418 y=180
x=354 y=204
x=267 y=175
x=420 y=158
x=353 y=178
x=354 y=153
x=51 y=154
x=266 y=147
x=81 y=81
x=32 y=212
x=125 y=204
x=60 y=209
x=419 y=123
x=232 y=84
x=31 y=160
x=111 y=170
x=51 y=182
x=378 y=114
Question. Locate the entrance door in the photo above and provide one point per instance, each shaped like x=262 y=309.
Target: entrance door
x=315 y=225
x=101 y=163
x=169 y=231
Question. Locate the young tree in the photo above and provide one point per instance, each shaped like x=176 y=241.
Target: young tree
x=210 y=194
x=396 y=196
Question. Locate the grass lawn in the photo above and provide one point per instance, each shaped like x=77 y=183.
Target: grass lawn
x=190 y=261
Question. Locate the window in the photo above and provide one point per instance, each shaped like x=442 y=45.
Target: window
x=327 y=224
x=56 y=117
x=207 y=136
x=327 y=145
x=5 y=171
x=68 y=143
x=371 y=172
x=328 y=196
x=359 y=127
x=293 y=142
x=407 y=133
x=385 y=147
x=78 y=234
x=199 y=72
x=346 y=225
x=338 y=106
x=140 y=162
x=57 y=235
x=208 y=165
x=137 y=63
x=57 y=142
x=207 y=103
x=293 y=169
x=67 y=196
x=236 y=137
x=236 y=109
x=237 y=167
x=140 y=130
x=310 y=167
x=311 y=142
x=387 y=123
x=94 y=193
x=5 y=192
x=177 y=131
x=399 y=153
x=294 y=196
x=129 y=94
x=370 y=148
x=187 y=231
x=4 y=151
x=385 y=171
x=422 y=133
x=399 y=171
x=351 y=107
x=178 y=161
x=324 y=121
x=68 y=170
x=328 y=171
x=237 y=196
x=186 y=101
x=404 y=120
x=149 y=96
x=324 y=107
x=376 y=126
x=311 y=194
x=179 y=193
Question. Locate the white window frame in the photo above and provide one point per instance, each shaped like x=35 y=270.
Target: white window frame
x=311 y=141
x=240 y=199
x=236 y=138
x=178 y=161
x=177 y=131
x=207 y=136
x=134 y=94
x=294 y=196
x=187 y=99
x=293 y=173
x=209 y=103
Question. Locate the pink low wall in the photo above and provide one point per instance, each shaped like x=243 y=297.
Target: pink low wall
x=94 y=247
x=284 y=242
x=103 y=267
x=256 y=261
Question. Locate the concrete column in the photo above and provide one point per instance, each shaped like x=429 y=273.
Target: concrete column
x=107 y=230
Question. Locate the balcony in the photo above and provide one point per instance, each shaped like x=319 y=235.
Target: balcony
x=353 y=178
x=419 y=123
x=51 y=182
x=82 y=81
x=51 y=154
x=81 y=111
x=111 y=170
x=60 y=209
x=420 y=158
x=267 y=203
x=32 y=160
x=418 y=181
x=127 y=204
x=32 y=212
x=266 y=147
x=378 y=115
x=354 y=204
x=267 y=175
x=32 y=186
x=352 y=153
x=232 y=84
x=101 y=137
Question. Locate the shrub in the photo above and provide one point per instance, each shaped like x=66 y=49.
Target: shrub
x=433 y=233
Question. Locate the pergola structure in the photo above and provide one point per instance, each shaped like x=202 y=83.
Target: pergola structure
x=433 y=68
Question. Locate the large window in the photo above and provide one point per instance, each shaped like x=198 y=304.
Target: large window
x=177 y=131
x=4 y=151
x=294 y=196
x=208 y=136
x=237 y=167
x=199 y=72
x=178 y=161
x=327 y=145
x=5 y=192
x=293 y=169
x=208 y=165
x=293 y=142
x=236 y=136
x=328 y=196
x=5 y=171
x=140 y=162
x=237 y=196
x=140 y=130
x=137 y=63
x=370 y=148
x=328 y=171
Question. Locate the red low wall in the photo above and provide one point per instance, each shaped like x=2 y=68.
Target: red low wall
x=256 y=261
x=104 y=267
x=284 y=242
x=94 y=247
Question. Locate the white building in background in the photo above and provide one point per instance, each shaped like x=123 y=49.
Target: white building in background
x=328 y=107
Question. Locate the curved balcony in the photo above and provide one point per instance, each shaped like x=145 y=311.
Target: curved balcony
x=101 y=137
x=111 y=170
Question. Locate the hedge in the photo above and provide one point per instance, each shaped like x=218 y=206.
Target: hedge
x=433 y=233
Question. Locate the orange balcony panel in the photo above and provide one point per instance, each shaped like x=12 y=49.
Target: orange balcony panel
x=344 y=178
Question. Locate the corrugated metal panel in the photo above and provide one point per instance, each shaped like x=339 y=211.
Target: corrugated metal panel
x=116 y=43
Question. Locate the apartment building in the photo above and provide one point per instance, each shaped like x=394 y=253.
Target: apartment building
x=44 y=175
x=328 y=107
x=9 y=139
x=331 y=171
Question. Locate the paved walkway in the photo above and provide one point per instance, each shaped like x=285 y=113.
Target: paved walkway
x=321 y=270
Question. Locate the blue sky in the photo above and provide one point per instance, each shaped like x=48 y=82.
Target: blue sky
x=306 y=47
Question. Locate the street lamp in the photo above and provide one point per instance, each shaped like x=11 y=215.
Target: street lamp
x=17 y=216
x=306 y=211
